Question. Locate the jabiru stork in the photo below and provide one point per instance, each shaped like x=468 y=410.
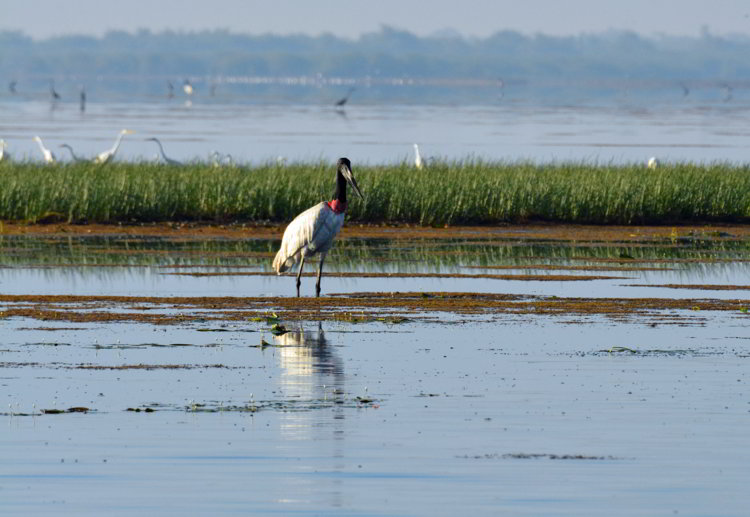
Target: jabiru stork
x=312 y=232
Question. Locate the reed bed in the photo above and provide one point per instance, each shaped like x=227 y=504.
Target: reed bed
x=465 y=192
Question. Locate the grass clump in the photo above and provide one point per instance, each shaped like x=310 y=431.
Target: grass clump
x=464 y=192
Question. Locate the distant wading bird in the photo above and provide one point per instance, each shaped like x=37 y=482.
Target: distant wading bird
x=107 y=155
x=3 y=145
x=49 y=157
x=313 y=231
x=73 y=155
x=52 y=92
x=418 y=161
x=168 y=160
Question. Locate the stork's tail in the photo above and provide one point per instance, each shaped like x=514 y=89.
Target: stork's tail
x=281 y=263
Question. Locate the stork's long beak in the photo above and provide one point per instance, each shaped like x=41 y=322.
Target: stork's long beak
x=347 y=172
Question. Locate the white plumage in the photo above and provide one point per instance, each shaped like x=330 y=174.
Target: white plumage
x=107 y=155
x=48 y=155
x=418 y=161
x=312 y=232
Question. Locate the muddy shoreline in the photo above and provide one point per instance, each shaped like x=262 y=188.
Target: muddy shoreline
x=564 y=232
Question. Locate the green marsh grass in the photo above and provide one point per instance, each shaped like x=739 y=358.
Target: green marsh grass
x=465 y=192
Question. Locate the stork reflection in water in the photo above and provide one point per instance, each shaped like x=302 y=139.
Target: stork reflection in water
x=311 y=373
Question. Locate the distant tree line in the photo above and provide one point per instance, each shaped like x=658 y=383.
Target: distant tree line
x=502 y=58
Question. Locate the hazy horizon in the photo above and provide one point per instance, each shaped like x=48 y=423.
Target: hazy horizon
x=350 y=19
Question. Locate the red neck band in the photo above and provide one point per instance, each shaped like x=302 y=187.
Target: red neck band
x=337 y=206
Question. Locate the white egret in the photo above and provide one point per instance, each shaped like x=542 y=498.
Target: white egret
x=168 y=160
x=312 y=232
x=187 y=88
x=220 y=160
x=107 y=155
x=49 y=157
x=3 y=146
x=418 y=161
x=653 y=163
x=73 y=155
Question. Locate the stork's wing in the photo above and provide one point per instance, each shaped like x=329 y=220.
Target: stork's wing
x=301 y=233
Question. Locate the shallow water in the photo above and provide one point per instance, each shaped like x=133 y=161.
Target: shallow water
x=163 y=267
x=613 y=132
x=474 y=415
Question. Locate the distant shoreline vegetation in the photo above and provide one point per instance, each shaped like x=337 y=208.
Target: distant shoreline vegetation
x=390 y=65
x=466 y=192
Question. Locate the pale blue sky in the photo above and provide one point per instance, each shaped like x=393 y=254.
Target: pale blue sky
x=350 y=18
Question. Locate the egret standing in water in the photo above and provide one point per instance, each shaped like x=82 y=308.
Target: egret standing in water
x=168 y=160
x=418 y=161
x=313 y=231
x=49 y=157
x=187 y=88
x=107 y=155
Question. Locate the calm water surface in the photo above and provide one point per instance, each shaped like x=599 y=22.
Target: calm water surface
x=516 y=414
x=613 y=132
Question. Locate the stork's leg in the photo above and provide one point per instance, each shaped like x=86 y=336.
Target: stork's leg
x=320 y=272
x=299 y=273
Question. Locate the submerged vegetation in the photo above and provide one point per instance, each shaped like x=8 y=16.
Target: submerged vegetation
x=466 y=192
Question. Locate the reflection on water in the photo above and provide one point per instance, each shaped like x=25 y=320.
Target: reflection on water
x=310 y=370
x=159 y=263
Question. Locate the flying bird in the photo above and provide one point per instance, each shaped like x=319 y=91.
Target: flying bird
x=312 y=232
x=167 y=159
x=49 y=157
x=107 y=155
x=343 y=100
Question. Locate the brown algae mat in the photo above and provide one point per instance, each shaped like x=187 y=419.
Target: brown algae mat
x=355 y=308
x=535 y=231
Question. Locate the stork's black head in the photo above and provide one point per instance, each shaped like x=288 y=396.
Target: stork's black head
x=343 y=176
